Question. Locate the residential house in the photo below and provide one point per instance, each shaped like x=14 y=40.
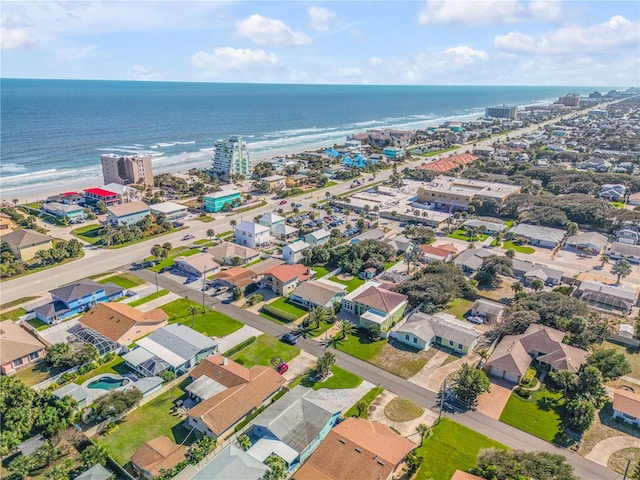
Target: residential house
x=227 y=392
x=373 y=234
x=127 y=213
x=252 y=235
x=626 y=406
x=422 y=330
x=284 y=232
x=401 y=243
x=490 y=312
x=120 y=323
x=539 y=236
x=18 y=347
x=273 y=183
x=613 y=192
x=97 y=472
x=450 y=163
x=314 y=293
x=6 y=224
x=76 y=298
x=628 y=236
x=68 y=198
x=549 y=276
x=70 y=212
x=157 y=455
x=200 y=264
x=236 y=277
x=515 y=353
x=318 y=237
x=356 y=448
x=173 y=347
x=429 y=253
x=490 y=227
x=595 y=164
x=618 y=250
x=227 y=253
x=125 y=193
x=283 y=279
x=471 y=260
x=609 y=297
x=171 y=211
x=292 y=252
x=634 y=199
x=216 y=201
x=460 y=475
x=24 y=243
x=293 y=427
x=94 y=195
x=296 y=180
x=374 y=305
x=591 y=243
x=232 y=463
x=270 y=220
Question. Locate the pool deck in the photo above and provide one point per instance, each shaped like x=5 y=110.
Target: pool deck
x=95 y=393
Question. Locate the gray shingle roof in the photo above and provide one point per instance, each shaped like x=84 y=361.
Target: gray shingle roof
x=537 y=232
x=25 y=238
x=97 y=472
x=473 y=258
x=78 y=289
x=427 y=326
x=232 y=463
x=181 y=340
x=319 y=293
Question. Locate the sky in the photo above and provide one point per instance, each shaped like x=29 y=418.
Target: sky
x=391 y=42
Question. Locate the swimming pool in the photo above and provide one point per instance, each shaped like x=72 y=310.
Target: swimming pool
x=108 y=383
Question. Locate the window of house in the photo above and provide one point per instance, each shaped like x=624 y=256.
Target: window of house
x=451 y=342
x=415 y=340
x=406 y=337
x=33 y=355
x=17 y=362
x=460 y=346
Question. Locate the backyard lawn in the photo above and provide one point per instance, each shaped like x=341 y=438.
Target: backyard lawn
x=169 y=261
x=320 y=271
x=352 y=284
x=452 y=447
x=210 y=323
x=263 y=350
x=460 y=234
x=37 y=324
x=88 y=233
x=117 y=365
x=459 y=307
x=124 y=280
x=38 y=372
x=13 y=314
x=539 y=416
x=148 y=298
x=518 y=248
x=632 y=355
x=149 y=421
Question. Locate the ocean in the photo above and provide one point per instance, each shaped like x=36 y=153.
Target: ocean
x=54 y=131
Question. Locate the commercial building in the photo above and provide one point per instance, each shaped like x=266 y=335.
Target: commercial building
x=126 y=169
x=569 y=100
x=451 y=193
x=171 y=211
x=231 y=158
x=501 y=111
x=127 y=213
x=94 y=195
x=214 y=202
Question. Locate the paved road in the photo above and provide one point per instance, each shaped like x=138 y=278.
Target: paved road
x=514 y=438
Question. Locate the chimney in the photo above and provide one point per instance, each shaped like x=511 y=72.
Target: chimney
x=224 y=361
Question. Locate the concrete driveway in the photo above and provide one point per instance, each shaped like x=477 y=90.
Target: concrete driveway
x=299 y=365
x=491 y=404
x=607 y=447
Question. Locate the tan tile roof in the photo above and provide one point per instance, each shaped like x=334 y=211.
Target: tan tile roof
x=114 y=320
x=157 y=454
x=286 y=273
x=380 y=299
x=626 y=402
x=356 y=448
x=227 y=249
x=128 y=208
x=223 y=410
x=437 y=251
x=449 y=163
x=16 y=342
x=460 y=475
x=238 y=276
x=228 y=374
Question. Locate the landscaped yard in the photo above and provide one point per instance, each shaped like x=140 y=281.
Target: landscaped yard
x=452 y=447
x=37 y=372
x=211 y=323
x=148 y=298
x=169 y=261
x=459 y=307
x=117 y=365
x=339 y=378
x=263 y=350
x=352 y=284
x=518 y=248
x=632 y=354
x=284 y=305
x=149 y=421
x=88 y=233
x=539 y=416
x=369 y=397
x=124 y=280
x=316 y=332
x=320 y=270
x=13 y=314
x=37 y=324
x=402 y=410
x=460 y=234
x=393 y=357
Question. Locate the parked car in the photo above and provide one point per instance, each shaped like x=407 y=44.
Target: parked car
x=282 y=368
x=188 y=237
x=283 y=202
x=191 y=280
x=298 y=205
x=289 y=338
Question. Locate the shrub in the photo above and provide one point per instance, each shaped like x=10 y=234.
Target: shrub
x=240 y=346
x=68 y=376
x=523 y=393
x=527 y=378
x=254 y=299
x=167 y=375
x=280 y=314
x=246 y=421
x=111 y=427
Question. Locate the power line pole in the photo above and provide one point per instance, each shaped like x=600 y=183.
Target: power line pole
x=444 y=394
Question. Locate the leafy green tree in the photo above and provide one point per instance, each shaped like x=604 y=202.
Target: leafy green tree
x=537 y=284
x=244 y=442
x=492 y=267
x=519 y=465
x=59 y=354
x=565 y=379
x=47 y=453
x=277 y=468
x=611 y=363
x=572 y=228
x=157 y=251
x=469 y=383
x=59 y=471
x=323 y=367
x=413 y=463
x=93 y=455
x=21 y=466
x=117 y=402
x=604 y=259
x=101 y=207
x=8 y=441
x=580 y=414
x=361 y=407
x=510 y=253
x=621 y=269
x=237 y=293
x=345 y=328
x=375 y=332
x=424 y=431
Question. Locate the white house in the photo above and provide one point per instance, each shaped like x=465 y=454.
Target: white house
x=318 y=237
x=292 y=252
x=252 y=235
x=270 y=220
x=626 y=405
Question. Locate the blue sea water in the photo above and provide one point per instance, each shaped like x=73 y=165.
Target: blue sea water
x=54 y=131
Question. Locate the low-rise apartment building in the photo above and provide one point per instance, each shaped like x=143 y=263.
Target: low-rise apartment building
x=449 y=193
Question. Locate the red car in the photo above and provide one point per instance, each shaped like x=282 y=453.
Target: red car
x=283 y=202
x=282 y=368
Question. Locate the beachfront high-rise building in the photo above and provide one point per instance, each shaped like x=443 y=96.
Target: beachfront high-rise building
x=569 y=100
x=501 y=111
x=231 y=157
x=126 y=170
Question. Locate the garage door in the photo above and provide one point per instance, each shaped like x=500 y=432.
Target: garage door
x=497 y=372
x=515 y=378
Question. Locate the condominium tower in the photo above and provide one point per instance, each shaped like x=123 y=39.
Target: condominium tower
x=125 y=170
x=501 y=111
x=231 y=158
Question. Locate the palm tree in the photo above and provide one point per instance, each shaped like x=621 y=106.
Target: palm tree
x=210 y=233
x=361 y=407
x=621 y=269
x=517 y=288
x=192 y=311
x=424 y=431
x=346 y=328
x=510 y=253
x=244 y=442
x=233 y=223
x=572 y=228
x=318 y=315
x=22 y=465
x=411 y=255
x=94 y=455
x=603 y=259
x=537 y=284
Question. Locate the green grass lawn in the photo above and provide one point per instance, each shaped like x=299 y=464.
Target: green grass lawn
x=452 y=447
x=369 y=397
x=263 y=350
x=124 y=280
x=320 y=271
x=205 y=218
x=247 y=208
x=149 y=421
x=518 y=248
x=117 y=365
x=148 y=298
x=459 y=307
x=18 y=301
x=351 y=285
x=316 y=332
x=632 y=355
x=88 y=233
x=340 y=378
x=210 y=323
x=38 y=372
x=38 y=324
x=284 y=305
x=437 y=152
x=539 y=416
x=460 y=235
x=169 y=261
x=13 y=314
x=361 y=348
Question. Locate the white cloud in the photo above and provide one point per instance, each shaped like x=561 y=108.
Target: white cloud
x=616 y=33
x=237 y=64
x=140 y=72
x=320 y=19
x=488 y=12
x=15 y=38
x=270 y=32
x=374 y=61
x=466 y=54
